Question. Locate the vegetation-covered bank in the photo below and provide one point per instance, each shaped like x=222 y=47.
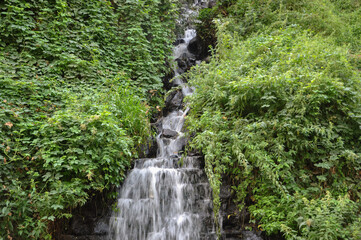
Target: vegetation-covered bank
x=278 y=111
x=77 y=80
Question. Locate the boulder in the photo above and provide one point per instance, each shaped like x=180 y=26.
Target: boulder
x=198 y=48
x=212 y=3
x=185 y=62
x=168 y=133
x=173 y=102
x=178 y=41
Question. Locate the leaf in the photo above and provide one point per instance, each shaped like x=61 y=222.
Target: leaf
x=57 y=206
x=46 y=176
x=325 y=165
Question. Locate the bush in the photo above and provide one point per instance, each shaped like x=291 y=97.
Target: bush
x=84 y=41
x=279 y=114
x=338 y=19
x=56 y=163
x=76 y=82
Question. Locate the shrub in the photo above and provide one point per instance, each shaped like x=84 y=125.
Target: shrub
x=56 y=163
x=76 y=82
x=279 y=114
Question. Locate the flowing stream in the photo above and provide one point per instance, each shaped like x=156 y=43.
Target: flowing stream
x=167 y=197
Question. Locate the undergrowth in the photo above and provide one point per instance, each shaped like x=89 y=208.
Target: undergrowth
x=78 y=82
x=277 y=111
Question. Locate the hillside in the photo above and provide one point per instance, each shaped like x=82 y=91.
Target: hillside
x=277 y=114
x=79 y=81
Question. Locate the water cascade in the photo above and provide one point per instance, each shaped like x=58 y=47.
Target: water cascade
x=167 y=197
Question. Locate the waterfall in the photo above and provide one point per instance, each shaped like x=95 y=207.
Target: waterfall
x=167 y=197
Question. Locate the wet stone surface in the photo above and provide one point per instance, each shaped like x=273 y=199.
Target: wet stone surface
x=165 y=197
x=168 y=133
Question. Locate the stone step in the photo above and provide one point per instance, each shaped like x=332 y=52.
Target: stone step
x=239 y=234
x=193 y=162
x=165 y=176
x=194 y=175
x=166 y=218
x=87 y=237
x=173 y=162
x=204 y=207
x=197 y=191
x=101 y=230
x=202 y=191
x=208 y=227
x=167 y=228
x=208 y=236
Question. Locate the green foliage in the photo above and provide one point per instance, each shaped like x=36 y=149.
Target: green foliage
x=91 y=137
x=324 y=218
x=56 y=161
x=279 y=114
x=336 y=18
x=76 y=79
x=83 y=41
x=206 y=29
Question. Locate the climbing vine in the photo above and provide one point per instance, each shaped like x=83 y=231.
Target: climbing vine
x=78 y=82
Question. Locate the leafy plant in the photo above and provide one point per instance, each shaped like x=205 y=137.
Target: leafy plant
x=78 y=82
x=278 y=113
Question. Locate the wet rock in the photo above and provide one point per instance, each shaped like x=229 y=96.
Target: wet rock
x=149 y=149
x=177 y=100
x=66 y=237
x=166 y=79
x=174 y=157
x=198 y=48
x=79 y=226
x=212 y=3
x=168 y=133
x=88 y=221
x=234 y=221
x=101 y=227
x=225 y=193
x=173 y=102
x=157 y=125
x=152 y=148
x=90 y=237
x=182 y=141
x=178 y=41
x=207 y=59
x=251 y=235
x=195 y=46
x=232 y=235
x=185 y=62
x=242 y=235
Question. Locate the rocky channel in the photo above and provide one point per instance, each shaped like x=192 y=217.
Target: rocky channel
x=166 y=196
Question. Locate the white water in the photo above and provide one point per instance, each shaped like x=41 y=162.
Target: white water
x=152 y=203
x=152 y=206
x=158 y=200
x=178 y=51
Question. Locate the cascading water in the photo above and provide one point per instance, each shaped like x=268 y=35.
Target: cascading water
x=166 y=198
